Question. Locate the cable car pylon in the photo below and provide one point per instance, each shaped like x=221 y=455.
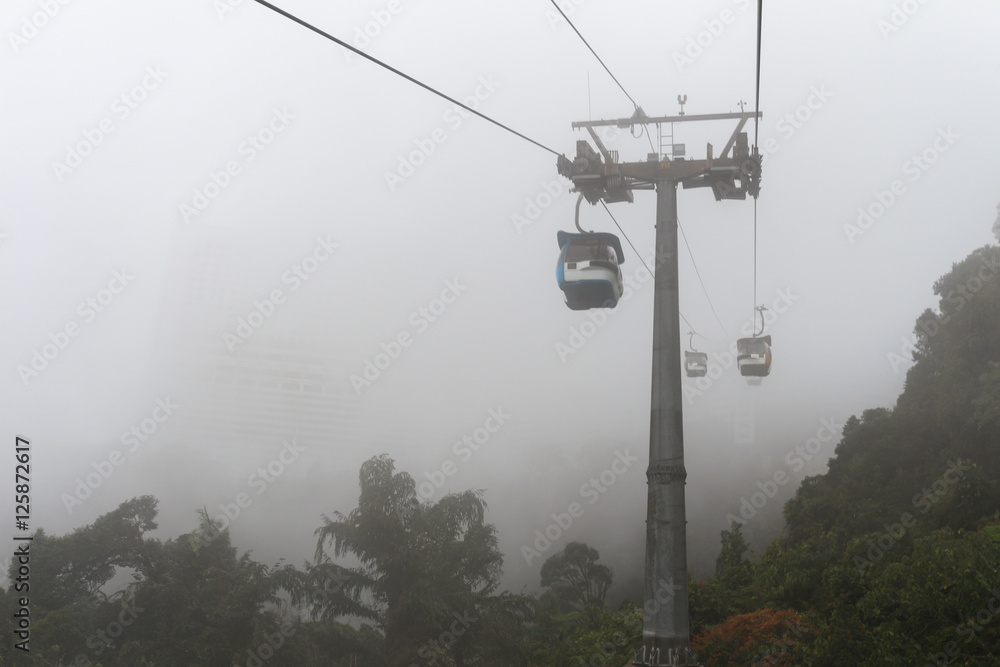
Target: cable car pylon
x=732 y=173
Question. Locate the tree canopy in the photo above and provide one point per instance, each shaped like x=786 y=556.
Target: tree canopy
x=893 y=555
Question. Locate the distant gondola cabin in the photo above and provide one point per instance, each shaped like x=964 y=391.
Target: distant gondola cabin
x=753 y=355
x=696 y=364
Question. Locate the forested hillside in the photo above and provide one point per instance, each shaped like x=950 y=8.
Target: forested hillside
x=893 y=555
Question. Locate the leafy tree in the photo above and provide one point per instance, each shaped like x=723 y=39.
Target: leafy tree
x=426 y=572
x=943 y=590
x=572 y=624
x=955 y=343
x=201 y=603
x=329 y=644
x=74 y=568
x=575 y=577
x=613 y=638
x=731 y=590
x=192 y=602
x=889 y=556
x=986 y=417
x=554 y=632
x=762 y=637
x=594 y=636
x=68 y=576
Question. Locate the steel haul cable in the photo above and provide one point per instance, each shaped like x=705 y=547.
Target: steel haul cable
x=756 y=120
x=409 y=78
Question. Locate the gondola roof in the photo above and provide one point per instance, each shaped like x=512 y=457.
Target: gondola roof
x=601 y=237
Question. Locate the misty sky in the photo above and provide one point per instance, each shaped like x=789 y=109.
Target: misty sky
x=172 y=168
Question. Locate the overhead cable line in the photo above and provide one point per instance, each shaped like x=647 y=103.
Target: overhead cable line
x=756 y=121
x=642 y=260
x=559 y=9
x=625 y=235
x=698 y=273
x=756 y=118
x=402 y=74
x=755 y=261
x=606 y=69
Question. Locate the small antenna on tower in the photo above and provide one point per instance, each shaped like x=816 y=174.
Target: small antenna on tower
x=590 y=113
x=682 y=100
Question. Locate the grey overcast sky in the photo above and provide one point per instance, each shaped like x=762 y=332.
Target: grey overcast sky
x=170 y=169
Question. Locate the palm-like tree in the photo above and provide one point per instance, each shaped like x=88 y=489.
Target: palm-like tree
x=421 y=566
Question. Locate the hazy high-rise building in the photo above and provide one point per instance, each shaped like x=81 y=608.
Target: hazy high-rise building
x=249 y=374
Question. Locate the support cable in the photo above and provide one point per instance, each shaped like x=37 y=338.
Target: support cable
x=698 y=273
x=559 y=9
x=690 y=326
x=756 y=122
x=756 y=118
x=402 y=74
x=606 y=69
x=755 y=256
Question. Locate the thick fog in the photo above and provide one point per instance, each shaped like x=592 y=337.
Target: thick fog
x=238 y=260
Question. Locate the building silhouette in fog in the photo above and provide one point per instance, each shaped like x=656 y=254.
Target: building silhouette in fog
x=282 y=381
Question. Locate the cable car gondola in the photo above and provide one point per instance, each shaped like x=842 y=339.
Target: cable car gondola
x=588 y=272
x=753 y=355
x=695 y=363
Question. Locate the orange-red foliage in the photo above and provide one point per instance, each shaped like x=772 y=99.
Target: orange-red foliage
x=760 y=638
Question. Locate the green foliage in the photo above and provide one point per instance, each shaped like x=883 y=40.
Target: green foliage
x=594 y=636
x=572 y=625
x=575 y=577
x=891 y=557
x=613 y=639
x=426 y=581
x=200 y=601
x=73 y=568
x=731 y=591
x=327 y=644
x=426 y=576
x=192 y=600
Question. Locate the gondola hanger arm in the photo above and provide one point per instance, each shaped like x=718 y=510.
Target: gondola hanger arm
x=760 y=309
x=579 y=200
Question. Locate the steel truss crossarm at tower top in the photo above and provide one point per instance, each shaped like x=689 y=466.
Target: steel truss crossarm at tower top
x=733 y=174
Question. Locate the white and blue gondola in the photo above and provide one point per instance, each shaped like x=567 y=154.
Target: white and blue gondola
x=589 y=270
